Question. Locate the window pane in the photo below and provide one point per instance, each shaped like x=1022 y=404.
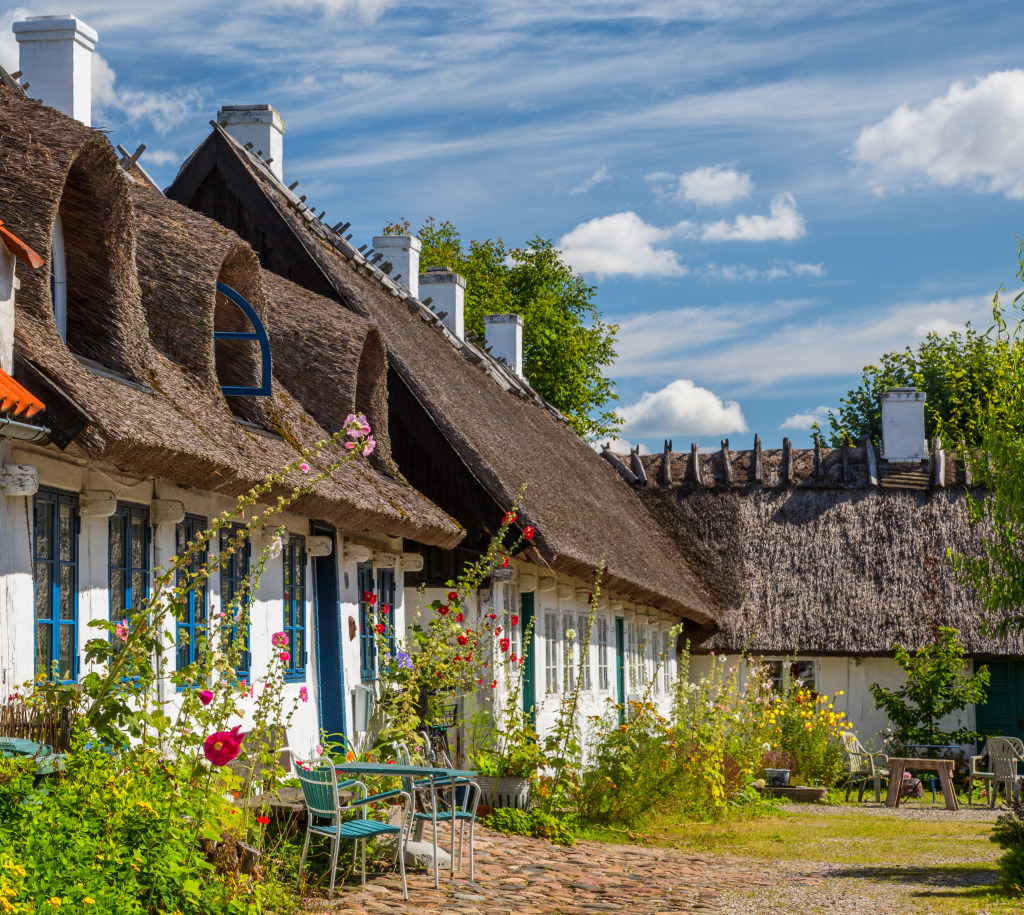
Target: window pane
x=117 y=541
x=66 y=667
x=67 y=592
x=138 y=590
x=117 y=605
x=287 y=610
x=44 y=528
x=44 y=591
x=67 y=533
x=299 y=652
x=44 y=648
x=139 y=543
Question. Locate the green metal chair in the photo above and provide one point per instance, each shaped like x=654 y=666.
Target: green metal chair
x=320 y=787
x=863 y=770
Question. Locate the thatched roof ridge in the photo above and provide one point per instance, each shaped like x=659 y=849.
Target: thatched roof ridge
x=139 y=409
x=501 y=430
x=826 y=569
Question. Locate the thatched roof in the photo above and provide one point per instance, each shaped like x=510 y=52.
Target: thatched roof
x=828 y=564
x=501 y=430
x=136 y=384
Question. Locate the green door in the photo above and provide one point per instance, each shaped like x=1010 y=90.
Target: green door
x=1003 y=711
x=529 y=677
x=620 y=665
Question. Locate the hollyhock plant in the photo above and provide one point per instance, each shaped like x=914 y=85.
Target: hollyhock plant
x=528 y=532
x=122 y=630
x=462 y=640
x=369 y=597
x=505 y=644
x=443 y=609
x=304 y=694
x=206 y=696
x=384 y=608
x=380 y=628
x=509 y=518
x=285 y=657
x=515 y=619
x=279 y=640
x=453 y=595
x=304 y=467
x=459 y=618
x=222 y=746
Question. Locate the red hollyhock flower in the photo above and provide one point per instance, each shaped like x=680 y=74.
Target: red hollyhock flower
x=385 y=608
x=480 y=682
x=462 y=640
x=514 y=658
x=263 y=820
x=497 y=630
x=504 y=563
x=443 y=609
x=369 y=597
x=459 y=618
x=505 y=644
x=528 y=532
x=494 y=616
x=457 y=658
x=380 y=628
x=222 y=746
x=469 y=658
x=453 y=595
x=494 y=684
x=509 y=518
x=515 y=619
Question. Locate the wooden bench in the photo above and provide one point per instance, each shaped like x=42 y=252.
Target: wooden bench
x=898 y=765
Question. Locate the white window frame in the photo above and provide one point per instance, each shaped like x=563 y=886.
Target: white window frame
x=603 y=680
x=551 y=652
x=581 y=629
x=568 y=652
x=783 y=677
x=666 y=640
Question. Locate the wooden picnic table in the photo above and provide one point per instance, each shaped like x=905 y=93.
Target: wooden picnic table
x=899 y=764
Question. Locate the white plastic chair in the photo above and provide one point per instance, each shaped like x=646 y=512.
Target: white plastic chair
x=863 y=768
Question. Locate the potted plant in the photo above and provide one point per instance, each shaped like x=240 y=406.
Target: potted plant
x=506 y=774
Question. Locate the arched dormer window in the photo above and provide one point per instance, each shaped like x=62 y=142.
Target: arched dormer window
x=236 y=330
x=59 y=278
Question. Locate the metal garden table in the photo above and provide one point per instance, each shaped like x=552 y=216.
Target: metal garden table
x=426 y=773
x=47 y=762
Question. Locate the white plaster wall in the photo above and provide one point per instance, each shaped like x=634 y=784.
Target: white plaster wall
x=17 y=637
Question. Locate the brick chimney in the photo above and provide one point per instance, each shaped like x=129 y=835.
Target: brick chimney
x=55 y=58
x=903 y=439
x=403 y=251
x=504 y=335
x=448 y=291
x=260 y=125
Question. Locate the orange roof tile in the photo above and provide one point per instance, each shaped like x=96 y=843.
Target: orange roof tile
x=15 y=398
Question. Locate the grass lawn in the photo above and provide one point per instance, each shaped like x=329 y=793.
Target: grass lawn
x=943 y=865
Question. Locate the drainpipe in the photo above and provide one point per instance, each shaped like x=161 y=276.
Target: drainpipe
x=23 y=432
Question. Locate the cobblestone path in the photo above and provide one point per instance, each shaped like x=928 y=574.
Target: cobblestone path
x=519 y=876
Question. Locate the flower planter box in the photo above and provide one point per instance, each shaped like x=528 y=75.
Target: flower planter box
x=797 y=795
x=505 y=792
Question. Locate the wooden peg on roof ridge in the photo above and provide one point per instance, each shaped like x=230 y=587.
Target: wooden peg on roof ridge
x=665 y=471
x=694 y=464
x=757 y=469
x=817 y=456
x=846 y=462
x=293 y=185
x=726 y=462
x=612 y=458
x=639 y=471
x=787 y=462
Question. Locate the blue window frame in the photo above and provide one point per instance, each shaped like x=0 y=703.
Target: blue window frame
x=386 y=595
x=55 y=575
x=295 y=606
x=193 y=630
x=367 y=618
x=258 y=333
x=234 y=570
x=128 y=554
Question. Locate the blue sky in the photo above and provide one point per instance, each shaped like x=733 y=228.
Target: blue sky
x=769 y=194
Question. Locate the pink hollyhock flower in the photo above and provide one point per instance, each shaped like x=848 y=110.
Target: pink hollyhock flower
x=371 y=444
x=279 y=640
x=304 y=467
x=319 y=749
x=122 y=630
x=223 y=746
x=206 y=696
x=304 y=694
x=350 y=445
x=285 y=657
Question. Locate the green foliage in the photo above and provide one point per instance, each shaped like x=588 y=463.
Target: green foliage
x=998 y=574
x=960 y=374
x=936 y=686
x=559 y=830
x=1008 y=833
x=566 y=345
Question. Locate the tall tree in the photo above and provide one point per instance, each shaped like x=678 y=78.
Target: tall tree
x=566 y=344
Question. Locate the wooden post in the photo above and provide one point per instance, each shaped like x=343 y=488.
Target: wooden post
x=872 y=463
x=846 y=463
x=787 y=462
x=817 y=456
x=694 y=464
x=756 y=470
x=612 y=458
x=938 y=466
x=726 y=462
x=638 y=466
x=665 y=471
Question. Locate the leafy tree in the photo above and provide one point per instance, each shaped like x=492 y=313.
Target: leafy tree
x=998 y=467
x=566 y=344
x=958 y=373
x=936 y=686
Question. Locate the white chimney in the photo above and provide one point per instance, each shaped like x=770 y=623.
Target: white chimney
x=504 y=336
x=55 y=58
x=903 y=439
x=448 y=291
x=260 y=125
x=403 y=251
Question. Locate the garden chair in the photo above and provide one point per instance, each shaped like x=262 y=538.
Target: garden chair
x=1003 y=755
x=863 y=768
x=460 y=810
x=320 y=786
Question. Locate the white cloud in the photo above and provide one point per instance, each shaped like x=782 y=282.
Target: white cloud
x=623 y=245
x=8 y=43
x=970 y=136
x=785 y=223
x=806 y=420
x=160 y=157
x=164 y=111
x=712 y=185
x=619 y=446
x=601 y=176
x=778 y=270
x=681 y=408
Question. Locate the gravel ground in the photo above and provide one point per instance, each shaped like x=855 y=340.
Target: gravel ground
x=912 y=811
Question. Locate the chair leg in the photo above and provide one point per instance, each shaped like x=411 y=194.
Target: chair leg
x=849 y=788
x=302 y=857
x=462 y=840
x=970 y=790
x=335 y=846
x=364 y=862
x=472 y=826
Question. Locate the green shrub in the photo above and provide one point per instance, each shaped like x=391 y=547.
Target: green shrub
x=1008 y=833
x=559 y=830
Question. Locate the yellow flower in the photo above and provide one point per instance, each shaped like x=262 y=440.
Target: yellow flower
x=55 y=901
x=88 y=900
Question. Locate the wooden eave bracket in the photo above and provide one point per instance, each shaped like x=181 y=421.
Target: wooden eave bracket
x=19 y=249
